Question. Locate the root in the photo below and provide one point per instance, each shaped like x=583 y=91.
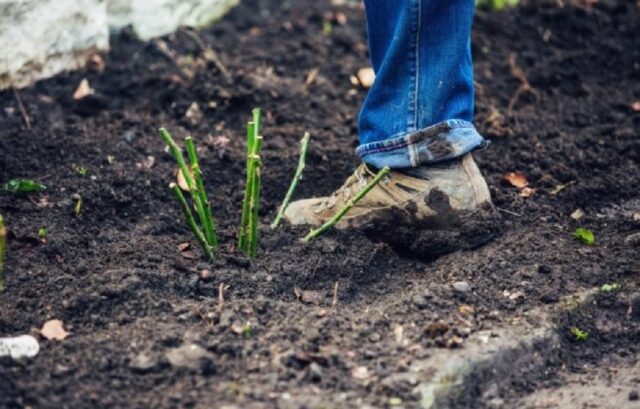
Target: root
x=525 y=87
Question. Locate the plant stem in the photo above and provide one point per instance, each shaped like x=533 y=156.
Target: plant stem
x=336 y=218
x=206 y=218
x=3 y=242
x=244 y=222
x=190 y=220
x=254 y=202
x=304 y=145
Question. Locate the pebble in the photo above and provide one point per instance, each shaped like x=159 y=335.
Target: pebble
x=420 y=301
x=143 y=362
x=461 y=286
x=191 y=356
x=636 y=218
x=314 y=372
x=374 y=337
x=633 y=239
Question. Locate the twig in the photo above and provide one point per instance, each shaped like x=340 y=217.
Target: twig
x=190 y=219
x=334 y=303
x=221 y=288
x=524 y=87
x=304 y=145
x=210 y=54
x=336 y=218
x=508 y=212
x=208 y=223
x=23 y=111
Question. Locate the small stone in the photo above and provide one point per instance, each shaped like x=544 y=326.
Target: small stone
x=374 y=337
x=144 y=362
x=577 y=214
x=636 y=218
x=314 y=372
x=420 y=301
x=205 y=275
x=191 y=356
x=461 y=286
x=633 y=395
x=633 y=239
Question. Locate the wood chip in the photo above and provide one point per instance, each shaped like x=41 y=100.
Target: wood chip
x=53 y=330
x=516 y=179
x=183 y=246
x=83 y=90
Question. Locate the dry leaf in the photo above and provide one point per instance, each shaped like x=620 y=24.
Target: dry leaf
x=465 y=309
x=188 y=255
x=194 y=113
x=577 y=214
x=366 y=77
x=146 y=164
x=182 y=182
x=636 y=106
x=83 y=90
x=183 y=246
x=53 y=330
x=311 y=77
x=527 y=191
x=516 y=179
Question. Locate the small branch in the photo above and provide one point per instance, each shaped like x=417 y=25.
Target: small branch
x=508 y=212
x=304 y=145
x=334 y=303
x=336 y=218
x=190 y=220
x=23 y=111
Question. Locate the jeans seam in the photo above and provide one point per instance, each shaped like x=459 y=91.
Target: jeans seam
x=417 y=51
x=412 y=115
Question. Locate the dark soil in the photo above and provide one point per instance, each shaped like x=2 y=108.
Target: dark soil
x=128 y=296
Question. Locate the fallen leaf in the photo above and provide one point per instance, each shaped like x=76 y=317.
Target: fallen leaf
x=182 y=182
x=560 y=188
x=188 y=255
x=183 y=246
x=146 y=164
x=361 y=372
x=516 y=295
x=366 y=77
x=83 y=90
x=516 y=179
x=465 y=309
x=636 y=106
x=53 y=330
x=194 y=113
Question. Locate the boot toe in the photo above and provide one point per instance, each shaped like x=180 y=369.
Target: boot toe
x=301 y=212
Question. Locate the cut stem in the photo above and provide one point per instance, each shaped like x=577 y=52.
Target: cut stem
x=206 y=218
x=304 y=145
x=248 y=236
x=191 y=221
x=336 y=218
x=244 y=222
x=254 y=206
x=3 y=242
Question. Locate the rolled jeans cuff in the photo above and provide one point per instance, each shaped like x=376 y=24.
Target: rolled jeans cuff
x=440 y=142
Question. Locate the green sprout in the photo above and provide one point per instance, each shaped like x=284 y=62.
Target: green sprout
x=584 y=235
x=578 y=334
x=609 y=288
x=304 y=145
x=496 y=4
x=247 y=330
x=336 y=218
x=81 y=170
x=3 y=243
x=248 y=235
x=77 y=209
x=22 y=186
x=327 y=28
x=205 y=232
x=42 y=234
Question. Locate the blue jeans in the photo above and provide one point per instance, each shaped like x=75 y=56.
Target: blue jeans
x=420 y=107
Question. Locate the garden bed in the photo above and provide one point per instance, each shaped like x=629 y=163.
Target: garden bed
x=322 y=311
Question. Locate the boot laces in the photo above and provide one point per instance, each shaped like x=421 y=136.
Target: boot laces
x=358 y=180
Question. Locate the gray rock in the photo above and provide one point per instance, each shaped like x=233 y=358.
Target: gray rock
x=633 y=239
x=420 y=301
x=40 y=38
x=153 y=18
x=461 y=286
x=191 y=356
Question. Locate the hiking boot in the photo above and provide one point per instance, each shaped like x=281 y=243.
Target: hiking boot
x=434 y=209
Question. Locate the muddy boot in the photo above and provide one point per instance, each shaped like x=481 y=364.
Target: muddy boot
x=429 y=210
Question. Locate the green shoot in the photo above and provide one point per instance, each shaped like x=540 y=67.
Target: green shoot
x=578 y=334
x=327 y=28
x=191 y=221
x=81 y=170
x=248 y=235
x=193 y=177
x=496 y=4
x=585 y=236
x=304 y=145
x=77 y=209
x=3 y=243
x=42 y=234
x=336 y=218
x=22 y=186
x=247 y=330
x=609 y=288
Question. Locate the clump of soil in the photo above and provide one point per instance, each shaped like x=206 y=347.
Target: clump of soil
x=304 y=324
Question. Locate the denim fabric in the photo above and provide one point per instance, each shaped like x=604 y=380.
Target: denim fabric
x=420 y=107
